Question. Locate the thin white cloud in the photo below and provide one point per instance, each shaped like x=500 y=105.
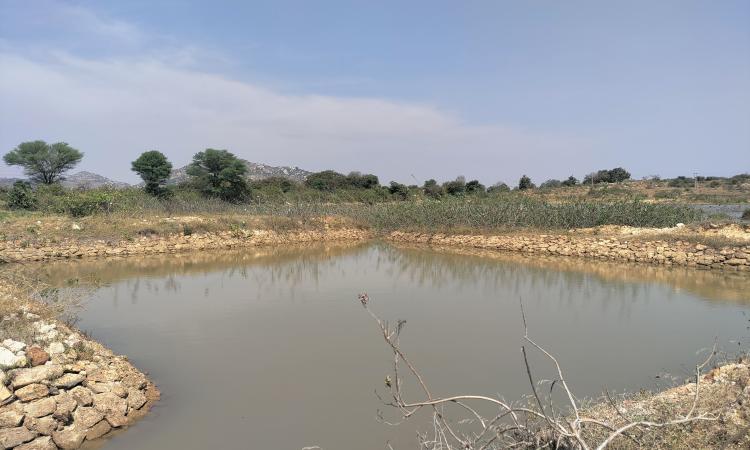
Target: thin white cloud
x=117 y=106
x=115 y=109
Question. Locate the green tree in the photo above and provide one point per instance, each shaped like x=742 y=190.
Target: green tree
x=498 y=187
x=398 y=190
x=360 y=181
x=618 y=174
x=327 y=180
x=571 y=181
x=456 y=187
x=218 y=173
x=432 y=189
x=525 y=183
x=154 y=168
x=475 y=187
x=552 y=183
x=42 y=162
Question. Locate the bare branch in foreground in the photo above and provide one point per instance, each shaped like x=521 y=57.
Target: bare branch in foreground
x=530 y=424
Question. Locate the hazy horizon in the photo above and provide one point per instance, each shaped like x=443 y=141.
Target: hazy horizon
x=484 y=89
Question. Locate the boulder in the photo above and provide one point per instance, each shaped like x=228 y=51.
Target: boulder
x=98 y=430
x=113 y=407
x=83 y=396
x=10 y=418
x=32 y=392
x=40 y=443
x=40 y=408
x=13 y=437
x=136 y=399
x=69 y=438
x=87 y=417
x=24 y=377
x=14 y=346
x=69 y=380
x=5 y=394
x=56 y=348
x=37 y=356
x=9 y=360
x=44 y=425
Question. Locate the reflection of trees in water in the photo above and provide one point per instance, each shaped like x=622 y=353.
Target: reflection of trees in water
x=511 y=280
x=574 y=282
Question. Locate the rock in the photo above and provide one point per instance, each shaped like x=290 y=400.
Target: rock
x=69 y=380
x=83 y=396
x=98 y=430
x=12 y=437
x=75 y=227
x=44 y=425
x=14 y=346
x=5 y=394
x=3 y=378
x=23 y=377
x=41 y=408
x=136 y=399
x=40 y=443
x=87 y=417
x=37 y=356
x=69 y=438
x=113 y=407
x=10 y=418
x=56 y=348
x=32 y=392
x=66 y=404
x=9 y=360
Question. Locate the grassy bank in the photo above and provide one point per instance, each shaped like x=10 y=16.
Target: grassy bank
x=129 y=213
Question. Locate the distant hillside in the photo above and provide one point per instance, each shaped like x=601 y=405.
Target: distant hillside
x=89 y=180
x=7 y=182
x=255 y=172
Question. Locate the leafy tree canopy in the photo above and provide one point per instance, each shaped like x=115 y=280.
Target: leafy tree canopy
x=154 y=168
x=218 y=173
x=42 y=162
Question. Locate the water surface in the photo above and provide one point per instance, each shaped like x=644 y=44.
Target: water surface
x=270 y=349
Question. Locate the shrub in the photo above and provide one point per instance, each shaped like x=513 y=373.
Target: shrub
x=218 y=173
x=85 y=203
x=432 y=189
x=615 y=175
x=498 y=187
x=22 y=196
x=571 y=181
x=475 y=187
x=327 y=180
x=551 y=184
x=525 y=183
x=398 y=190
x=360 y=181
x=456 y=187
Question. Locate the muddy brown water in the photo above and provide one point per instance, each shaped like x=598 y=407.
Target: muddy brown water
x=270 y=349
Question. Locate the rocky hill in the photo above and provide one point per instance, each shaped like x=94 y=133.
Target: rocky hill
x=89 y=180
x=255 y=171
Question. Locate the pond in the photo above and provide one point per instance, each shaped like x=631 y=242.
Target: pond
x=270 y=348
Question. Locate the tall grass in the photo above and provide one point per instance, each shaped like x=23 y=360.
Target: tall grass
x=510 y=210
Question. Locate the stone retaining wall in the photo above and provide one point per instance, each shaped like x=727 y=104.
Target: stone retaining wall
x=15 y=251
x=655 y=252
x=59 y=389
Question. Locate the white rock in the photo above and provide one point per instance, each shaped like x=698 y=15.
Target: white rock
x=14 y=346
x=75 y=226
x=56 y=348
x=9 y=360
x=680 y=225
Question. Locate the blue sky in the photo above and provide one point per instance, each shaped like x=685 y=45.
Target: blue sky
x=485 y=89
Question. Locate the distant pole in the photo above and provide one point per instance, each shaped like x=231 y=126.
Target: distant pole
x=695 y=177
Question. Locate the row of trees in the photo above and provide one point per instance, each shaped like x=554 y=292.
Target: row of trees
x=219 y=173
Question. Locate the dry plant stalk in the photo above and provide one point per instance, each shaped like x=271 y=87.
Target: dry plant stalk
x=533 y=424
